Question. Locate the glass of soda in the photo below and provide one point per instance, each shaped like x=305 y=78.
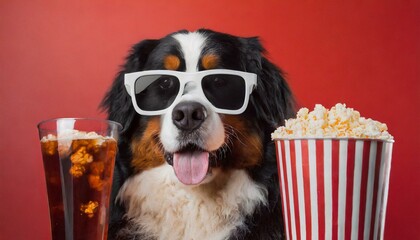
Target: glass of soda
x=79 y=156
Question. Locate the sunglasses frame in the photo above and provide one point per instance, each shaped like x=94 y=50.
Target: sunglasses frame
x=184 y=78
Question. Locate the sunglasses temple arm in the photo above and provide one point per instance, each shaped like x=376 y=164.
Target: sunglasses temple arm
x=253 y=85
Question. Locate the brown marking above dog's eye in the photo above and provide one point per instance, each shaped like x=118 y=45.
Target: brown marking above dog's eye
x=209 y=61
x=147 y=151
x=171 y=62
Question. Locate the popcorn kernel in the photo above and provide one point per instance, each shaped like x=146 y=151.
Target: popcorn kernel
x=90 y=208
x=96 y=182
x=77 y=170
x=49 y=147
x=81 y=156
x=97 y=168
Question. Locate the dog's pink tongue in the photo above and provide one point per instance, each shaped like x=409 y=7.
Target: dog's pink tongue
x=191 y=167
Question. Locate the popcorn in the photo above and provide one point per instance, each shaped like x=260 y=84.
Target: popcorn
x=71 y=134
x=95 y=179
x=77 y=170
x=81 y=156
x=338 y=122
x=49 y=147
x=90 y=208
x=80 y=146
x=65 y=140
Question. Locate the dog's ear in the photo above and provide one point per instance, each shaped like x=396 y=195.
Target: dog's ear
x=272 y=98
x=117 y=101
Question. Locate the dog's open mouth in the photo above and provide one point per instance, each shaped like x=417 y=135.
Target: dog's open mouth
x=191 y=164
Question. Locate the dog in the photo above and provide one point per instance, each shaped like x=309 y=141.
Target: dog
x=196 y=159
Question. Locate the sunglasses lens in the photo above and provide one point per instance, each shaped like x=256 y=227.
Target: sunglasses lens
x=156 y=92
x=224 y=91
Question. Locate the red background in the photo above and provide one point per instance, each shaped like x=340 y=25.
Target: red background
x=58 y=58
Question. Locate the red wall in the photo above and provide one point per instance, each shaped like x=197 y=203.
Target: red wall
x=58 y=59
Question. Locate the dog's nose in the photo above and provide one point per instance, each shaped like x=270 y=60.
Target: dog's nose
x=189 y=115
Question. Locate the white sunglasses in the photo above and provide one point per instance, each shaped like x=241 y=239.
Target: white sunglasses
x=154 y=92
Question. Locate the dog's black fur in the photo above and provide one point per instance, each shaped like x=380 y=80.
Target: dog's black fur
x=270 y=104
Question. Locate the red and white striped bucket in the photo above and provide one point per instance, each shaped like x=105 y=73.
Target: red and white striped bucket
x=334 y=188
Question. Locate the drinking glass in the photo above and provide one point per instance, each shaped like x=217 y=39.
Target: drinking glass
x=78 y=156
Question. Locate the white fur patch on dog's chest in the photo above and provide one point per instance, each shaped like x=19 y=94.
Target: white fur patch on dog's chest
x=160 y=206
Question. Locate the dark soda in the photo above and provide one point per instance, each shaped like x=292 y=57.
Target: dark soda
x=79 y=177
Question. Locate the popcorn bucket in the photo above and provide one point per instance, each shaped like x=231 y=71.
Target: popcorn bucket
x=334 y=188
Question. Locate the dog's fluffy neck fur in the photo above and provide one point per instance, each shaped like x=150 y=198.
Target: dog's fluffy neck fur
x=160 y=206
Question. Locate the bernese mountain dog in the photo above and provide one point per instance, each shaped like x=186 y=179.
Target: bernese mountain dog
x=196 y=160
